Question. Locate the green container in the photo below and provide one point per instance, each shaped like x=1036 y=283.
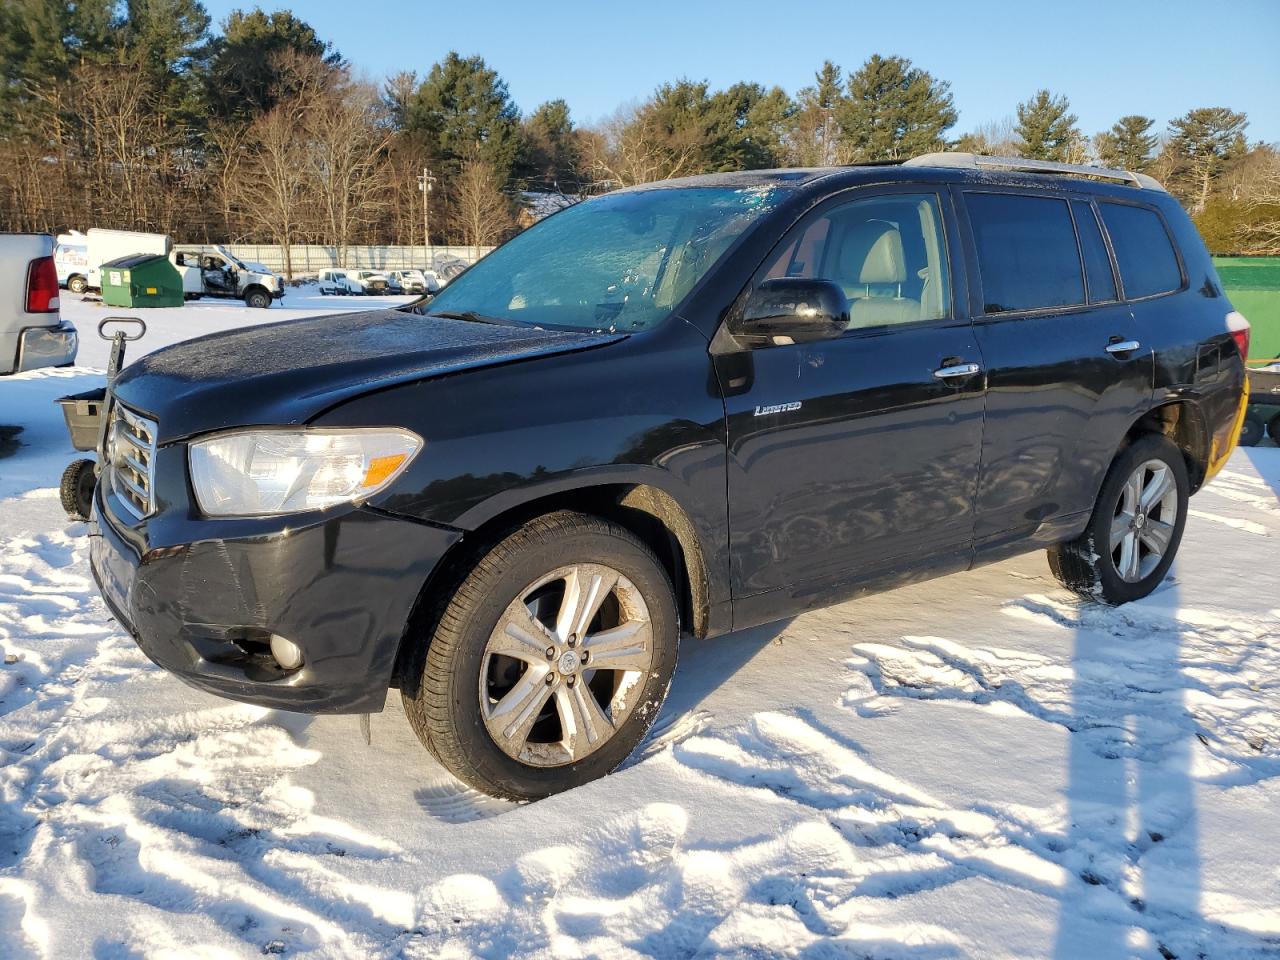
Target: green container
x=141 y=280
x=1253 y=286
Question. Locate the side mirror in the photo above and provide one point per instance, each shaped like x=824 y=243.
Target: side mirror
x=792 y=310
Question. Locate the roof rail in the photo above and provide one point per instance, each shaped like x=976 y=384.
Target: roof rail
x=974 y=161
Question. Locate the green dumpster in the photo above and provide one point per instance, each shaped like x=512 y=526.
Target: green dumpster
x=141 y=280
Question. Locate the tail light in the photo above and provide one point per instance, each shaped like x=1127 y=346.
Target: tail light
x=42 y=286
x=1238 y=327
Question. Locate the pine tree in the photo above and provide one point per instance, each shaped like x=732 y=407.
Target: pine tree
x=549 y=150
x=1047 y=128
x=245 y=77
x=815 y=135
x=748 y=127
x=462 y=110
x=894 y=111
x=1202 y=144
x=1128 y=145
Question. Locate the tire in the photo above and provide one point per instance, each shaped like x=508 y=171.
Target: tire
x=76 y=489
x=1092 y=571
x=1273 y=429
x=77 y=284
x=257 y=299
x=1251 y=431
x=458 y=669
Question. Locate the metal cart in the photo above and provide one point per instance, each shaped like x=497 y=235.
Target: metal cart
x=87 y=421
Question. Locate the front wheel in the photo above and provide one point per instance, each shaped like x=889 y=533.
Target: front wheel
x=77 y=284
x=257 y=299
x=550 y=661
x=1136 y=526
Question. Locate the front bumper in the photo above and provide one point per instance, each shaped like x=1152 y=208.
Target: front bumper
x=341 y=587
x=47 y=347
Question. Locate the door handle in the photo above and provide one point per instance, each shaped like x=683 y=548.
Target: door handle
x=956 y=370
x=1123 y=346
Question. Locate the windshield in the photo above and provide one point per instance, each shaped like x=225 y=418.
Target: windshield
x=620 y=262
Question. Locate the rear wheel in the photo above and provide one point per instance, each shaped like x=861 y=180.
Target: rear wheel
x=1251 y=431
x=1136 y=526
x=1273 y=429
x=550 y=661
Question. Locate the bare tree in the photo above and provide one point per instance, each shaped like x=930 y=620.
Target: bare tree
x=481 y=210
x=633 y=146
x=346 y=160
x=121 y=140
x=1261 y=192
x=995 y=138
x=270 y=191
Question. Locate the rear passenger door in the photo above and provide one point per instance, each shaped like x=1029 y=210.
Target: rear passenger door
x=1067 y=370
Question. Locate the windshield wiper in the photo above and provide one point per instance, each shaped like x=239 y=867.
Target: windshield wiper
x=472 y=317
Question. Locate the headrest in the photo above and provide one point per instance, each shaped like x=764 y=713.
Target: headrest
x=872 y=252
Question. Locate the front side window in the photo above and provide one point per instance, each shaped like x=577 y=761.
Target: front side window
x=1144 y=252
x=1027 y=253
x=621 y=262
x=887 y=253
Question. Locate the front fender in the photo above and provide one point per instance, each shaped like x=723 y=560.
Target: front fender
x=646 y=411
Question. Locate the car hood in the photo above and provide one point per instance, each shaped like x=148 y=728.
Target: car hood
x=290 y=372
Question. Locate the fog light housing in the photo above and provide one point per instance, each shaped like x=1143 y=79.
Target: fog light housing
x=286 y=652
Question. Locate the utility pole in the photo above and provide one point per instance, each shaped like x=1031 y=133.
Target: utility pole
x=425 y=184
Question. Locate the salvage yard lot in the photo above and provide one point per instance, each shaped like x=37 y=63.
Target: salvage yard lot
x=978 y=766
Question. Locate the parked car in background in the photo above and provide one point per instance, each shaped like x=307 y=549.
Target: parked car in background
x=32 y=331
x=671 y=411
x=217 y=272
x=409 y=281
x=353 y=282
x=336 y=281
x=71 y=258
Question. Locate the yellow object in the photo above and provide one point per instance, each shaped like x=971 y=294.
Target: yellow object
x=382 y=467
x=1218 y=458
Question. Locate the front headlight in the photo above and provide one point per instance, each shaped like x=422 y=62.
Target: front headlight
x=261 y=472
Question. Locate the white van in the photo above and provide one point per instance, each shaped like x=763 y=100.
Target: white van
x=71 y=258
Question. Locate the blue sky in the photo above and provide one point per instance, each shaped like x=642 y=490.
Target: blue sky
x=1110 y=58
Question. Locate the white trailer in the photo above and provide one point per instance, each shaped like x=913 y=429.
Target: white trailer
x=107 y=245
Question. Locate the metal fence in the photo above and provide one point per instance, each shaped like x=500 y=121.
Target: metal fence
x=312 y=258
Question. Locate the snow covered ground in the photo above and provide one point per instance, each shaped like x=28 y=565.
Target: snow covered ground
x=979 y=766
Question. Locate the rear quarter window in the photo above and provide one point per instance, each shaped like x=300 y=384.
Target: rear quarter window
x=1028 y=258
x=1144 y=251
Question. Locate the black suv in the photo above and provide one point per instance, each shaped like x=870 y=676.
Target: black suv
x=671 y=411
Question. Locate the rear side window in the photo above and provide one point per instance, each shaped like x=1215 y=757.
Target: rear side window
x=1027 y=252
x=1097 y=265
x=1144 y=252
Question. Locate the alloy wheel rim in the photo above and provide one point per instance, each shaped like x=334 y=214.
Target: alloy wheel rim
x=1143 y=522
x=563 y=668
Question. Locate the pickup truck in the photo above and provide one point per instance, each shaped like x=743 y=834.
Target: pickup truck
x=32 y=331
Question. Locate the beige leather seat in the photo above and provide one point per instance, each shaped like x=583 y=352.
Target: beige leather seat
x=872 y=269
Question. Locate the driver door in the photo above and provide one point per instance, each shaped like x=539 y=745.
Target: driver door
x=854 y=457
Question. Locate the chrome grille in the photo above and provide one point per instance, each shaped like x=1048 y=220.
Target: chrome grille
x=131 y=450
